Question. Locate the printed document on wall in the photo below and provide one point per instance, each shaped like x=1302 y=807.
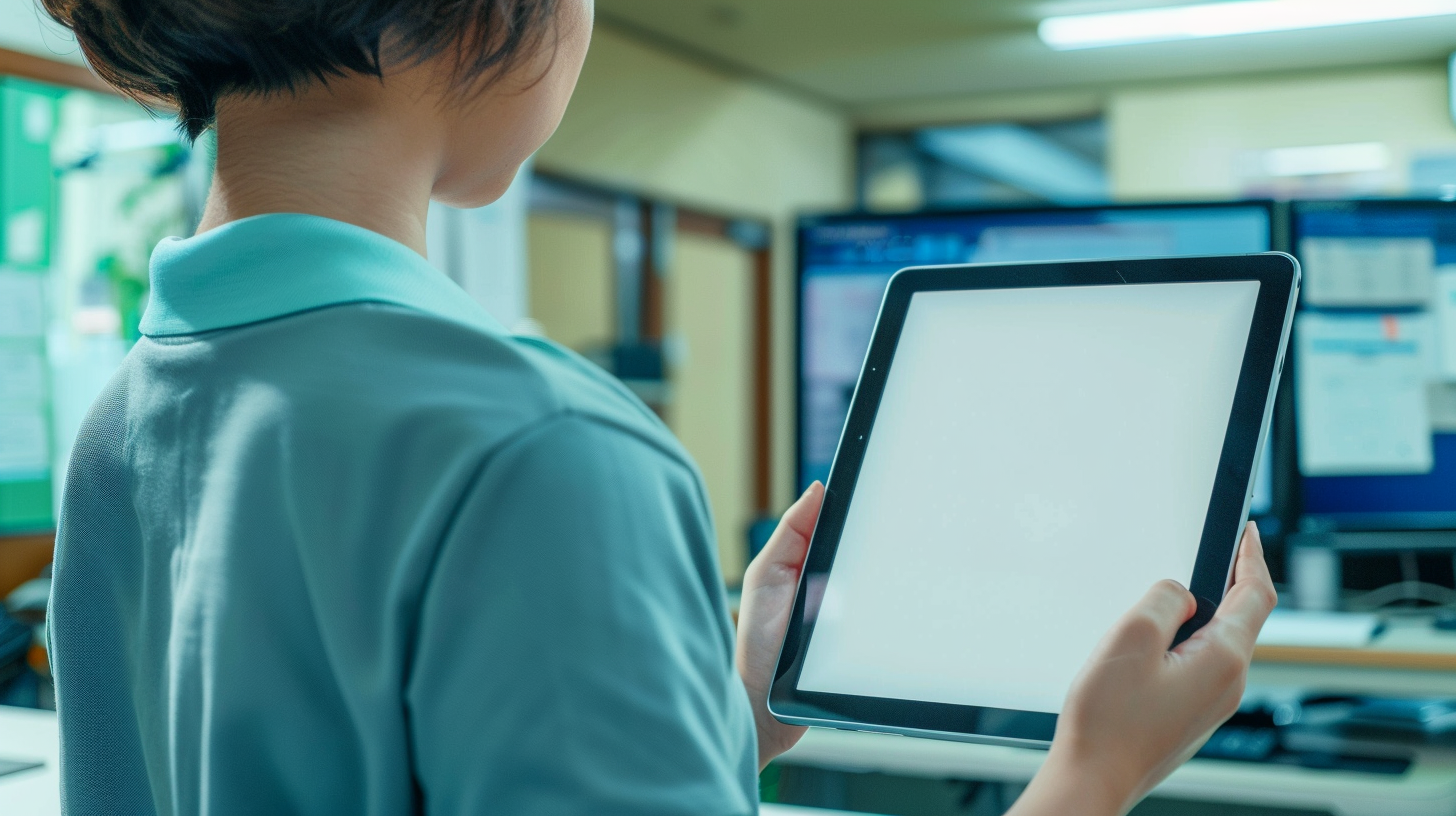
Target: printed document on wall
x=22 y=304
x=22 y=374
x=1443 y=407
x=24 y=445
x=1367 y=272
x=1444 y=305
x=1361 y=392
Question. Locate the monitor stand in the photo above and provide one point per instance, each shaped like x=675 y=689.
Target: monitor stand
x=1314 y=559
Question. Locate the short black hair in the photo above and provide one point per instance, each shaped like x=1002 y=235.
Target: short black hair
x=187 y=53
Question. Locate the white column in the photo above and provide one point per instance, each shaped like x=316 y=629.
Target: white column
x=484 y=250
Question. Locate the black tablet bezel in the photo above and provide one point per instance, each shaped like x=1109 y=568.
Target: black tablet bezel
x=1277 y=274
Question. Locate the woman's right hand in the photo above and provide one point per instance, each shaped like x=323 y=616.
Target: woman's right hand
x=1139 y=710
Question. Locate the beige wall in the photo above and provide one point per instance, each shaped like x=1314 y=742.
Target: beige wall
x=646 y=121
x=709 y=309
x=570 y=291
x=1184 y=140
x=1035 y=106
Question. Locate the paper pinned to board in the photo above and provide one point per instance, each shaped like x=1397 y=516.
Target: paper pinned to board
x=1362 y=398
x=24 y=444
x=22 y=375
x=22 y=304
x=25 y=236
x=1443 y=307
x=1368 y=272
x=1443 y=406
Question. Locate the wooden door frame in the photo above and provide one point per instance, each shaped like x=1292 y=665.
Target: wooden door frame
x=696 y=222
x=652 y=307
x=54 y=72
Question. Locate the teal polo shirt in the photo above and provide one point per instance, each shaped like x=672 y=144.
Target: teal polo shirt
x=334 y=542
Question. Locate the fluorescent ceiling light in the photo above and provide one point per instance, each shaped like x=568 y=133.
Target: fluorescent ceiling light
x=1226 y=19
x=1320 y=160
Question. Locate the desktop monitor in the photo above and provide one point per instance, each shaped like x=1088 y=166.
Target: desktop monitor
x=1374 y=364
x=846 y=260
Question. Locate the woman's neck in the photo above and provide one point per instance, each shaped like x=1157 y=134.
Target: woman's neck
x=352 y=151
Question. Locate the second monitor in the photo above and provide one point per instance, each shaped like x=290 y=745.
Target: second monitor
x=1375 y=365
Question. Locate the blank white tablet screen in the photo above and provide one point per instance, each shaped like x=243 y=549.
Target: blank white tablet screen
x=1039 y=459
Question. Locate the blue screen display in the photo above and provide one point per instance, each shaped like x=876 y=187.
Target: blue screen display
x=846 y=261
x=1375 y=364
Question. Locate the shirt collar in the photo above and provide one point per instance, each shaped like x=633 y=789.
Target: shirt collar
x=268 y=266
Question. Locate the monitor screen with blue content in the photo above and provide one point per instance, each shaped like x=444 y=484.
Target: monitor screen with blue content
x=1374 y=364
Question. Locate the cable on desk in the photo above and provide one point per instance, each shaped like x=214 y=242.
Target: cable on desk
x=1402 y=591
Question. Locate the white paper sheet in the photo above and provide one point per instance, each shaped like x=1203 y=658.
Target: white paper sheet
x=24 y=445
x=22 y=304
x=1331 y=630
x=22 y=375
x=1443 y=307
x=1367 y=272
x=1443 y=407
x=1361 y=391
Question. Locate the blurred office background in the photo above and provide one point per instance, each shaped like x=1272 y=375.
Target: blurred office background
x=716 y=217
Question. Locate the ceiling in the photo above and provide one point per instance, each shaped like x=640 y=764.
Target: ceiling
x=860 y=53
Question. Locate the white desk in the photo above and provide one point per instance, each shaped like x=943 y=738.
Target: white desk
x=1408 y=659
x=1428 y=789
x=794 y=810
x=26 y=734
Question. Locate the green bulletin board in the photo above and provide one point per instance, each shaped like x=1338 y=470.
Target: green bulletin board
x=28 y=114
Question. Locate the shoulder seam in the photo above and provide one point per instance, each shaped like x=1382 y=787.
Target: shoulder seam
x=521 y=435
x=531 y=428
x=489 y=457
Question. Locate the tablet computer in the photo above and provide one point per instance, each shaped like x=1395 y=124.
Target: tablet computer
x=1029 y=448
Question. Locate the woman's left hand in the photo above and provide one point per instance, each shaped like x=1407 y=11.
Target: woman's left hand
x=763 y=614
